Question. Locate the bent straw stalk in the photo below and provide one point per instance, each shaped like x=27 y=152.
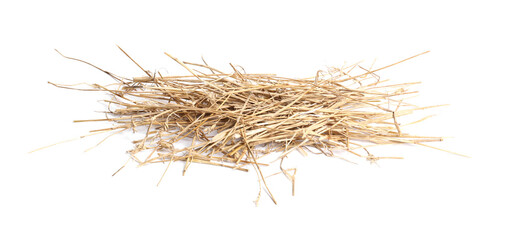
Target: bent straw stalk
x=234 y=119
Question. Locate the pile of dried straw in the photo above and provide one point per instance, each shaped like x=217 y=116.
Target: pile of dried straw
x=232 y=119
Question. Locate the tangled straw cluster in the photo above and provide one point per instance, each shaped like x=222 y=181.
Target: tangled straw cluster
x=234 y=119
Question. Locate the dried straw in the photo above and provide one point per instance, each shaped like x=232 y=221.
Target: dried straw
x=233 y=119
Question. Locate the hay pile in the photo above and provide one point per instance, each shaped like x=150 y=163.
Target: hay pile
x=232 y=119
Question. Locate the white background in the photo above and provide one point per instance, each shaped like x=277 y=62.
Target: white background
x=64 y=193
